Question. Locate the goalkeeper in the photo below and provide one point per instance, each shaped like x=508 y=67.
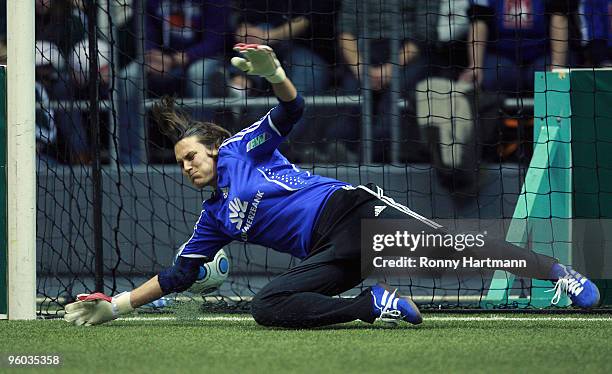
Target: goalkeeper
x=260 y=197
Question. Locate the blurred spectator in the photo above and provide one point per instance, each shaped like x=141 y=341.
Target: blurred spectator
x=510 y=39
x=595 y=18
x=79 y=64
x=302 y=34
x=57 y=31
x=418 y=22
x=416 y=29
x=450 y=57
x=453 y=21
x=185 y=44
x=122 y=13
x=46 y=131
x=58 y=22
x=123 y=48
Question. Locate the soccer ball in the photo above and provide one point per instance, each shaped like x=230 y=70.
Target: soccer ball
x=212 y=274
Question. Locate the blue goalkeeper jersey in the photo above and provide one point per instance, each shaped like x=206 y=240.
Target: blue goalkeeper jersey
x=261 y=197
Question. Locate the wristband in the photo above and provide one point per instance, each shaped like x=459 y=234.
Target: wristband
x=278 y=77
x=121 y=304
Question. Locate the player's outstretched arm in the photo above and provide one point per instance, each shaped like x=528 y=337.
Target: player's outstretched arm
x=96 y=308
x=285 y=90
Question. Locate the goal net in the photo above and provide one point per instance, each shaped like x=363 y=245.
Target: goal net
x=431 y=100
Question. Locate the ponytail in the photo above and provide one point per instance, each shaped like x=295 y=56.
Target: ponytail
x=177 y=125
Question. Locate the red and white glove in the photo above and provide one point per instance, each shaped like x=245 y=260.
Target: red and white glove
x=96 y=308
x=258 y=59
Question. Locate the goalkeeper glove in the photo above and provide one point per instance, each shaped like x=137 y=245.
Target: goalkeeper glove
x=96 y=308
x=259 y=60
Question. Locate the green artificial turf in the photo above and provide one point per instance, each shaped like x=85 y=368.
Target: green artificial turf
x=236 y=344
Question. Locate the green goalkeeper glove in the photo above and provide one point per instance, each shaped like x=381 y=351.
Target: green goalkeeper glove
x=96 y=308
x=259 y=60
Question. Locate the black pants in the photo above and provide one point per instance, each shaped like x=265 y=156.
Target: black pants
x=303 y=296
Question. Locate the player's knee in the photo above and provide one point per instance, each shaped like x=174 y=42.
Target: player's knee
x=263 y=311
x=181 y=276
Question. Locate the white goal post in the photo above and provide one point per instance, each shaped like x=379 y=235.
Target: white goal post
x=21 y=161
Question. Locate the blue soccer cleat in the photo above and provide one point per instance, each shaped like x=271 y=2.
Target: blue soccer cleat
x=390 y=307
x=580 y=289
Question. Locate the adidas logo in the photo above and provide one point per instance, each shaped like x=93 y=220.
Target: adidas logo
x=237 y=211
x=378 y=209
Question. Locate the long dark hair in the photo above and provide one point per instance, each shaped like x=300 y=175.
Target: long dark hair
x=177 y=125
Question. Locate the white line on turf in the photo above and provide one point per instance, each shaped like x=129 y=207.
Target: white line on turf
x=496 y=318
x=208 y=318
x=462 y=319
